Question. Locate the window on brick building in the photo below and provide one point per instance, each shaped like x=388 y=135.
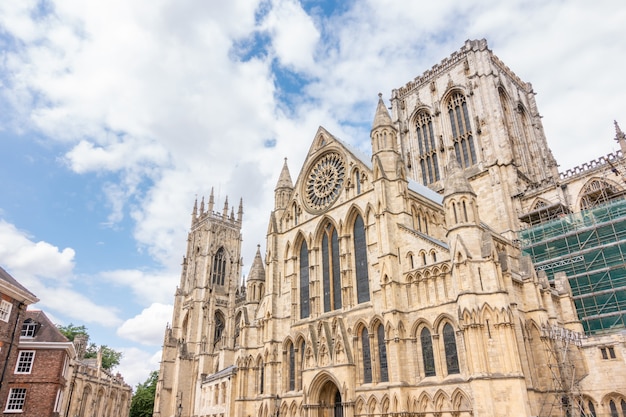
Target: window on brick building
x=16 y=399
x=29 y=328
x=5 y=310
x=25 y=362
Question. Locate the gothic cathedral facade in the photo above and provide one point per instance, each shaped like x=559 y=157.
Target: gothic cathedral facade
x=392 y=284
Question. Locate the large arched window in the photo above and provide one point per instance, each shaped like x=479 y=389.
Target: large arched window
x=304 y=281
x=330 y=269
x=292 y=367
x=461 y=131
x=367 y=358
x=449 y=345
x=596 y=192
x=360 y=258
x=219 y=267
x=428 y=358
x=427 y=148
x=382 y=354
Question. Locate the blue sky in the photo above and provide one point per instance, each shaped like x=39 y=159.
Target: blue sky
x=115 y=115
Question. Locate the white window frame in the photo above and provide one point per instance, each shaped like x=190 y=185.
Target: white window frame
x=58 y=401
x=26 y=358
x=5 y=310
x=28 y=329
x=16 y=400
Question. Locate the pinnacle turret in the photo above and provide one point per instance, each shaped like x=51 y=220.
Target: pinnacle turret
x=257 y=272
x=211 y=201
x=382 y=117
x=240 y=211
x=284 y=180
x=620 y=137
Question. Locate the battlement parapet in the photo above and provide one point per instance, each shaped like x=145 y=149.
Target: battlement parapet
x=595 y=164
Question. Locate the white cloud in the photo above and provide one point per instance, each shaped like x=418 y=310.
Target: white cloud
x=136 y=364
x=19 y=253
x=48 y=273
x=148 y=327
x=147 y=287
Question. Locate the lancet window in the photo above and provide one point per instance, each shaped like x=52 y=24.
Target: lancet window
x=461 y=131
x=382 y=354
x=367 y=358
x=360 y=255
x=449 y=344
x=427 y=146
x=304 y=281
x=218 y=272
x=330 y=269
x=428 y=358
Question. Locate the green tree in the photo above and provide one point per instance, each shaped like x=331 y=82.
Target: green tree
x=142 y=402
x=110 y=357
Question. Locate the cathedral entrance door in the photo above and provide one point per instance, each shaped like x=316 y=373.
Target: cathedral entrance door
x=330 y=401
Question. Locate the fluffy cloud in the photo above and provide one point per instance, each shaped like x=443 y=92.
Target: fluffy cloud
x=147 y=327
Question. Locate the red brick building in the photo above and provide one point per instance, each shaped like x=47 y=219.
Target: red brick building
x=14 y=298
x=38 y=380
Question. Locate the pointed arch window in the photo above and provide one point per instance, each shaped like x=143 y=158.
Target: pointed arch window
x=219 y=328
x=218 y=272
x=292 y=367
x=613 y=409
x=382 y=354
x=357 y=181
x=301 y=366
x=367 y=358
x=461 y=131
x=592 y=409
x=449 y=344
x=304 y=281
x=427 y=146
x=261 y=377
x=428 y=359
x=330 y=269
x=360 y=255
x=237 y=329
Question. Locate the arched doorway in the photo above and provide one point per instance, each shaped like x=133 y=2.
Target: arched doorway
x=330 y=403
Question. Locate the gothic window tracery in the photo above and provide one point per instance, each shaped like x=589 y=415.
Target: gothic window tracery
x=304 y=281
x=360 y=255
x=597 y=192
x=292 y=367
x=367 y=358
x=427 y=147
x=330 y=269
x=382 y=354
x=449 y=344
x=218 y=272
x=428 y=358
x=219 y=328
x=461 y=130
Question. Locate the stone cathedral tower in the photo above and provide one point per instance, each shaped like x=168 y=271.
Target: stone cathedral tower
x=203 y=330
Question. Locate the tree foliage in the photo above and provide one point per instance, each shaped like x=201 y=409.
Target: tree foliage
x=142 y=402
x=110 y=357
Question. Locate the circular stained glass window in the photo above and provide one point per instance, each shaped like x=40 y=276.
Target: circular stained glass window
x=324 y=181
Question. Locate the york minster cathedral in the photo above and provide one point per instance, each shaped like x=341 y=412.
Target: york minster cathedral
x=401 y=283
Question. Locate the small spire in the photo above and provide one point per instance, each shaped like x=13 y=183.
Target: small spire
x=284 y=180
x=240 y=211
x=232 y=213
x=194 y=213
x=202 y=206
x=257 y=272
x=211 y=201
x=225 y=211
x=382 y=117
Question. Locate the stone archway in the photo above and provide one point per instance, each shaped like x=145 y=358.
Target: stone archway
x=326 y=398
x=330 y=401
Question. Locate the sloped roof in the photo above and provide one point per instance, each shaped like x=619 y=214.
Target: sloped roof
x=47 y=331
x=20 y=290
